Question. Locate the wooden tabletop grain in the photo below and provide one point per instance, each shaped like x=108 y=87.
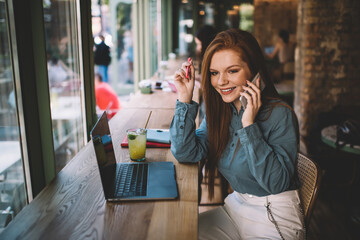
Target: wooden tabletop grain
x=73 y=205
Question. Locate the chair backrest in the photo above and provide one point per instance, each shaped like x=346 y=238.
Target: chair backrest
x=309 y=175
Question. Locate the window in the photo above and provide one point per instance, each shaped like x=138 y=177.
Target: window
x=154 y=35
x=65 y=80
x=13 y=195
x=113 y=20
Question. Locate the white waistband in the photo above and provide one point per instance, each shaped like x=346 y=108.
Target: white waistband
x=291 y=195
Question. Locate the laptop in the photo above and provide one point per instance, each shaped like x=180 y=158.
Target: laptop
x=130 y=180
x=269 y=49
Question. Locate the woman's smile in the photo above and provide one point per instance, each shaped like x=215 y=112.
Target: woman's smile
x=227 y=91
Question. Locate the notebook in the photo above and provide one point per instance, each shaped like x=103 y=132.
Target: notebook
x=130 y=180
x=149 y=144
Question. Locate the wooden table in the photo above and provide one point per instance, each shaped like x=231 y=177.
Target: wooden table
x=328 y=136
x=73 y=205
x=156 y=100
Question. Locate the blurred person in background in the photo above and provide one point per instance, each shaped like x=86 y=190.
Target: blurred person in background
x=106 y=97
x=203 y=38
x=284 y=50
x=102 y=58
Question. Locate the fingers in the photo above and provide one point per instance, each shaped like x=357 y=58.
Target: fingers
x=252 y=93
x=181 y=72
x=185 y=67
x=257 y=89
x=248 y=98
x=253 y=86
x=192 y=70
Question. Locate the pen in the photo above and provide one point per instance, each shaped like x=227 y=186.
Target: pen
x=188 y=68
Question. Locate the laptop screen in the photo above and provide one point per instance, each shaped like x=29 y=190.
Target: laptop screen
x=269 y=49
x=105 y=155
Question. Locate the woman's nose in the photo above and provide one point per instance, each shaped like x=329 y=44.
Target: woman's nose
x=222 y=79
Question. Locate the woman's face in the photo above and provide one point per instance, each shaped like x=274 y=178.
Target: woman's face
x=228 y=75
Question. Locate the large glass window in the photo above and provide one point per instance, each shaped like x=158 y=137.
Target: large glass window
x=64 y=73
x=155 y=34
x=113 y=20
x=186 y=24
x=12 y=188
x=125 y=49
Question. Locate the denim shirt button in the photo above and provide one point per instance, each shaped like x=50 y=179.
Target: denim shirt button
x=236 y=134
x=184 y=108
x=181 y=127
x=232 y=145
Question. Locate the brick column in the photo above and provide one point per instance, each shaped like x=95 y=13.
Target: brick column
x=272 y=15
x=327 y=61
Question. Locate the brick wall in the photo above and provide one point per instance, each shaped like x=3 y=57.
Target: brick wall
x=327 y=61
x=272 y=15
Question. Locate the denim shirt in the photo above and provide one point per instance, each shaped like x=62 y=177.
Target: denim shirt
x=258 y=159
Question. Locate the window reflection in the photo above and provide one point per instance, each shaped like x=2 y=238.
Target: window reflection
x=12 y=188
x=154 y=33
x=65 y=85
x=125 y=51
x=113 y=20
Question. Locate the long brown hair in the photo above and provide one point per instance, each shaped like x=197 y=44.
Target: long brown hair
x=218 y=113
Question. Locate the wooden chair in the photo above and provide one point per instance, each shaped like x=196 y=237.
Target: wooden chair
x=309 y=175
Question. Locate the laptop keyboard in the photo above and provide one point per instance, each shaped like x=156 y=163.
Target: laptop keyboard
x=131 y=180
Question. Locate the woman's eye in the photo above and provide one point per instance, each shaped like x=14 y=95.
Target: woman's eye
x=213 y=73
x=233 y=71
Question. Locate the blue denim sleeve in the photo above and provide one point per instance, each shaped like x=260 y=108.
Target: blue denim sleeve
x=187 y=143
x=272 y=161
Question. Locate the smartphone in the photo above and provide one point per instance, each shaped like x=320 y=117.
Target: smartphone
x=261 y=87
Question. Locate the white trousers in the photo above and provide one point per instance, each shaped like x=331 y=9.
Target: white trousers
x=245 y=216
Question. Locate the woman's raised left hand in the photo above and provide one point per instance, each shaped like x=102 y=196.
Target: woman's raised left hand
x=252 y=94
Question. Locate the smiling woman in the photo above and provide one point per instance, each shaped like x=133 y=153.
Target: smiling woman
x=254 y=148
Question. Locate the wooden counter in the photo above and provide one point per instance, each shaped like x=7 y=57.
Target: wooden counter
x=157 y=100
x=73 y=205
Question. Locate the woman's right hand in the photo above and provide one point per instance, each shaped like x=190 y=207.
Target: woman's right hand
x=185 y=86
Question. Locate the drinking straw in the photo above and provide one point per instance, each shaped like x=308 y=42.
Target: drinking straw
x=147 y=121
